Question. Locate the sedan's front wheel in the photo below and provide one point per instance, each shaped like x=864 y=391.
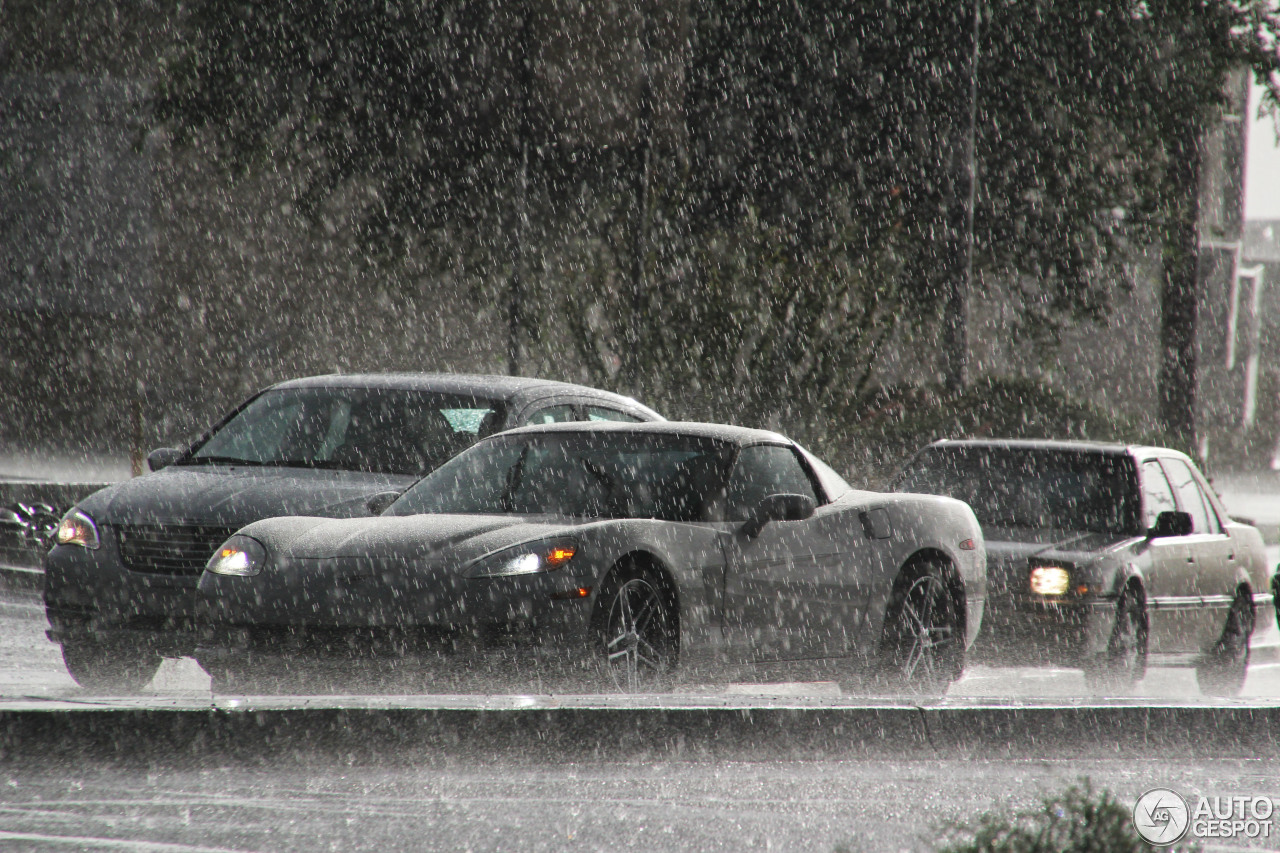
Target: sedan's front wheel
x=1124 y=663
x=636 y=630
x=115 y=667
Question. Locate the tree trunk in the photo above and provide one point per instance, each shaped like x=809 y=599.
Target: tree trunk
x=1179 y=300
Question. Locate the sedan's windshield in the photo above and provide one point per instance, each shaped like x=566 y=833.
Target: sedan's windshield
x=382 y=430
x=1018 y=487
x=675 y=478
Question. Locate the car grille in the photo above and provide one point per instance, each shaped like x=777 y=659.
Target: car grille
x=169 y=549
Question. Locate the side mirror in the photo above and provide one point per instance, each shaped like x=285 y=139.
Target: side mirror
x=163 y=457
x=1170 y=523
x=379 y=502
x=777 y=508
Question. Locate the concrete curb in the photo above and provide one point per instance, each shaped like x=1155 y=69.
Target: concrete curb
x=400 y=731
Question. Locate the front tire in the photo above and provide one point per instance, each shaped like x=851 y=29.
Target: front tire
x=636 y=630
x=1124 y=663
x=113 y=667
x=922 y=649
x=1223 y=671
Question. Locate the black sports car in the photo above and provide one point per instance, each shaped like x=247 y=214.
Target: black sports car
x=645 y=544
x=1106 y=556
x=120 y=585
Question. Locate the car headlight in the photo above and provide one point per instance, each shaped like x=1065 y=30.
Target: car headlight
x=1050 y=580
x=77 y=528
x=241 y=556
x=529 y=559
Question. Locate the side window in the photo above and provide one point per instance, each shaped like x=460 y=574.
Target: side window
x=761 y=471
x=600 y=413
x=1184 y=483
x=552 y=415
x=1157 y=494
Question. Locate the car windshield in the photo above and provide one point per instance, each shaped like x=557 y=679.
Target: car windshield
x=381 y=430
x=594 y=475
x=1013 y=487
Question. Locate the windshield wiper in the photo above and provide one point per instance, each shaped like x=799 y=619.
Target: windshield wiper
x=219 y=460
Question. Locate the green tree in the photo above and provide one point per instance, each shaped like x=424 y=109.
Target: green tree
x=753 y=262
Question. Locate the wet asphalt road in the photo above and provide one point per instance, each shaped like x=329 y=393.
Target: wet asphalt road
x=456 y=804
x=31 y=667
x=472 y=801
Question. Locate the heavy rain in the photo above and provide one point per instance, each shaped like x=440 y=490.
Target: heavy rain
x=671 y=425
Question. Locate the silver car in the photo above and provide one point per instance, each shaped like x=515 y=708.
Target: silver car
x=1106 y=556
x=642 y=546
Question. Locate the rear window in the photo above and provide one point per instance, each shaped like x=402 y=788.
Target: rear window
x=1016 y=487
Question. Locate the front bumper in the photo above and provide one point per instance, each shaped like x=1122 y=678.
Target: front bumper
x=90 y=594
x=301 y=603
x=1042 y=631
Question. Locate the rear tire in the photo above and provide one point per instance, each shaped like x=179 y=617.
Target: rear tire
x=1124 y=663
x=636 y=631
x=922 y=648
x=115 y=667
x=1223 y=670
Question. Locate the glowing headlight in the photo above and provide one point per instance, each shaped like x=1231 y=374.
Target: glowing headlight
x=76 y=528
x=523 y=560
x=1050 y=580
x=240 y=556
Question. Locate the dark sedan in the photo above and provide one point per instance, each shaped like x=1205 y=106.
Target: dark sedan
x=120 y=585
x=641 y=544
x=1106 y=556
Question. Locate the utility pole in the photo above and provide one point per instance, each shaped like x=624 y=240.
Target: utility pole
x=960 y=217
x=515 y=286
x=1181 y=290
x=640 y=196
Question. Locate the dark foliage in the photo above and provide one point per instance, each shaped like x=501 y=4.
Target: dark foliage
x=1079 y=820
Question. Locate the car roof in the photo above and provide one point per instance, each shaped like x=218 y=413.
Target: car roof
x=720 y=432
x=509 y=388
x=1099 y=447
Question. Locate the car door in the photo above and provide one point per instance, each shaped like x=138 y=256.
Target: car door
x=1209 y=556
x=787 y=589
x=1168 y=577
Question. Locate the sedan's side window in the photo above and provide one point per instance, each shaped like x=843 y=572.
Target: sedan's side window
x=1157 y=494
x=1184 y=483
x=552 y=415
x=600 y=413
x=765 y=470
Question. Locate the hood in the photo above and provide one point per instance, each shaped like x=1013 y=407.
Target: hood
x=400 y=538
x=1028 y=541
x=1009 y=549
x=232 y=496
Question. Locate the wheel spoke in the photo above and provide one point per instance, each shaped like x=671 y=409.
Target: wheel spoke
x=915 y=624
x=628 y=619
x=643 y=646
x=645 y=614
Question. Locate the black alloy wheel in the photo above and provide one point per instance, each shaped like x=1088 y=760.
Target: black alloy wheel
x=1223 y=670
x=1124 y=663
x=114 y=667
x=923 y=646
x=637 y=631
